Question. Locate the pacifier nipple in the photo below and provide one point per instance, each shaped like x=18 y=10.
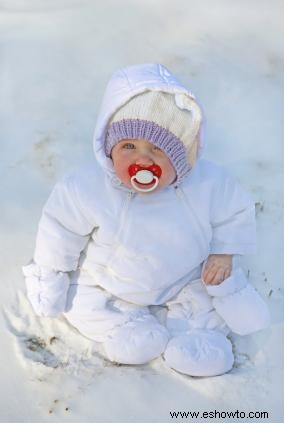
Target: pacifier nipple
x=144 y=176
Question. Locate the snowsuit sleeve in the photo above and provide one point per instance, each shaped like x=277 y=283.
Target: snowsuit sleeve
x=232 y=219
x=64 y=230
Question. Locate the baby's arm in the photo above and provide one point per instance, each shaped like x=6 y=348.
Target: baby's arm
x=64 y=231
x=233 y=232
x=233 y=228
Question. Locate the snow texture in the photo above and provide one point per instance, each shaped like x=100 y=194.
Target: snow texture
x=56 y=58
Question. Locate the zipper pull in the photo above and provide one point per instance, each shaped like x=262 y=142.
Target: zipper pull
x=130 y=194
x=179 y=192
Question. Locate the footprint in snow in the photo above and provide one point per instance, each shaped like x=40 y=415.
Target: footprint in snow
x=37 y=350
x=45 y=344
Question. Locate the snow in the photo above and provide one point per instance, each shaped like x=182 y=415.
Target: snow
x=56 y=59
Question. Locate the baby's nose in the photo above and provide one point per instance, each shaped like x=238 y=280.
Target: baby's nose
x=144 y=161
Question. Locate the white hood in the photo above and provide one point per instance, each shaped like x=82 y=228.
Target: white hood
x=125 y=84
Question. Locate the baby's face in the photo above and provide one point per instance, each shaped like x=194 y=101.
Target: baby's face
x=145 y=154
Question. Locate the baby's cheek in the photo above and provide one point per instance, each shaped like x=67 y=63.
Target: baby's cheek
x=123 y=175
x=169 y=174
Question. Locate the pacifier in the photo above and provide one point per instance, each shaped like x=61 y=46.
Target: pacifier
x=144 y=176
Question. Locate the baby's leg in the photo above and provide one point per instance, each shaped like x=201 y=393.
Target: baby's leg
x=199 y=346
x=129 y=333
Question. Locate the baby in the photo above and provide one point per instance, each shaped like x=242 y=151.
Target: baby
x=136 y=250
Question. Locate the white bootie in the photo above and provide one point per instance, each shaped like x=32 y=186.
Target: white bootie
x=136 y=342
x=200 y=352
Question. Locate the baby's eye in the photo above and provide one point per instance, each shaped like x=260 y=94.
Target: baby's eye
x=157 y=148
x=128 y=145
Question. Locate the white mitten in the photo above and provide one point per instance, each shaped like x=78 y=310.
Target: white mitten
x=238 y=303
x=46 y=289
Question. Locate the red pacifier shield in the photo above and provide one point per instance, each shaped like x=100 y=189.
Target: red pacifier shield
x=144 y=179
x=155 y=169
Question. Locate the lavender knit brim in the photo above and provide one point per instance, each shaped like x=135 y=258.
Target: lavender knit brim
x=154 y=133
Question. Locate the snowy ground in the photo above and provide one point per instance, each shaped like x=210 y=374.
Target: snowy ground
x=56 y=57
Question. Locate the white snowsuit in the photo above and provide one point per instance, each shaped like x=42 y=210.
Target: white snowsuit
x=125 y=268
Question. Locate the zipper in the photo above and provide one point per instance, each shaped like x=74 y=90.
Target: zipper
x=191 y=211
x=125 y=207
x=116 y=245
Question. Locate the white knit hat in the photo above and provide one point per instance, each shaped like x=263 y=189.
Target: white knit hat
x=169 y=121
